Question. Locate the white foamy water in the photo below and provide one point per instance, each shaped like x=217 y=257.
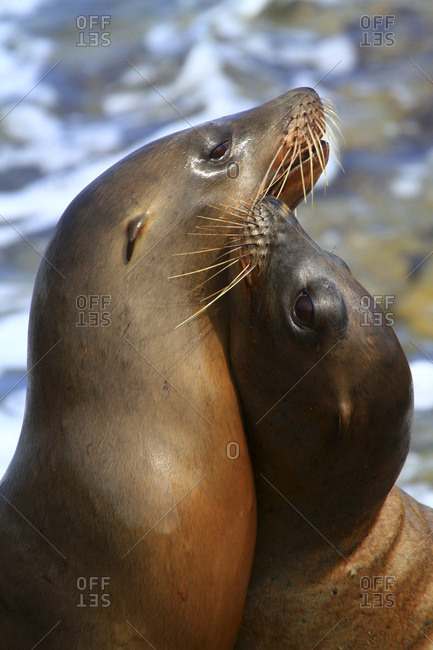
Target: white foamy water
x=422 y=374
x=422 y=492
x=11 y=415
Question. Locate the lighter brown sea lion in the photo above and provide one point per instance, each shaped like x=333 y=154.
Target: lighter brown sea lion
x=128 y=510
x=343 y=559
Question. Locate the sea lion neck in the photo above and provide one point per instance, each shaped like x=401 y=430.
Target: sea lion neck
x=321 y=474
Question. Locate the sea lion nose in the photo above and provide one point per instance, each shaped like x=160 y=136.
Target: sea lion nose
x=299 y=96
x=279 y=216
x=272 y=208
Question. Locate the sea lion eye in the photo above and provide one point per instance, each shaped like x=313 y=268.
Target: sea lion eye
x=219 y=151
x=304 y=309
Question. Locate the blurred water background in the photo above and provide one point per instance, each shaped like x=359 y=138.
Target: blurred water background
x=84 y=83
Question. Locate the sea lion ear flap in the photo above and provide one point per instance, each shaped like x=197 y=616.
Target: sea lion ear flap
x=133 y=229
x=344 y=413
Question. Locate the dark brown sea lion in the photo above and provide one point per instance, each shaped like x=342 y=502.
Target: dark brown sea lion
x=128 y=510
x=343 y=558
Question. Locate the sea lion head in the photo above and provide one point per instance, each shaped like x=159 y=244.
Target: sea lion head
x=142 y=209
x=324 y=384
x=276 y=149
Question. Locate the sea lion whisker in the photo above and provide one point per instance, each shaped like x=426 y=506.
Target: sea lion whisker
x=280 y=166
x=321 y=123
x=197 y=286
x=242 y=211
x=330 y=110
x=328 y=107
x=200 y=216
x=236 y=224
x=331 y=120
x=200 y=311
x=277 y=153
x=211 y=295
x=310 y=151
x=274 y=180
x=333 y=117
x=232 y=284
x=315 y=137
x=241 y=220
x=202 y=250
x=332 y=141
x=261 y=191
x=228 y=236
x=277 y=175
x=245 y=205
x=227 y=249
x=243 y=273
x=327 y=100
x=337 y=126
x=288 y=170
x=227 y=208
x=227 y=226
x=284 y=176
x=335 y=149
x=219 y=232
x=302 y=176
x=329 y=104
x=222 y=207
x=206 y=268
x=330 y=133
x=233 y=249
x=228 y=211
x=323 y=130
x=296 y=149
x=209 y=234
x=296 y=152
x=233 y=236
x=319 y=152
x=246 y=271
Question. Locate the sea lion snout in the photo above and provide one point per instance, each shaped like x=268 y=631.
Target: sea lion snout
x=307 y=297
x=268 y=226
x=302 y=153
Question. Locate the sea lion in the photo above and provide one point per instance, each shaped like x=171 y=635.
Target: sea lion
x=128 y=510
x=343 y=559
